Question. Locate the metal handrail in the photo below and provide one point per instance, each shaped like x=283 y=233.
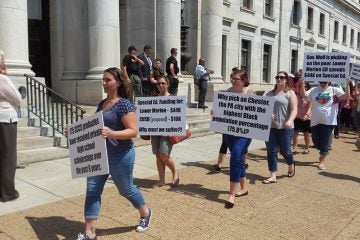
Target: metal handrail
x=50 y=107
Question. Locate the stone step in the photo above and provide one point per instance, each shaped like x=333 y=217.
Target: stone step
x=42 y=154
x=28 y=132
x=36 y=142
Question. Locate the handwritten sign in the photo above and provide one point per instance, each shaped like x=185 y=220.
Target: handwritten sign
x=88 y=154
x=161 y=116
x=355 y=72
x=242 y=115
x=326 y=67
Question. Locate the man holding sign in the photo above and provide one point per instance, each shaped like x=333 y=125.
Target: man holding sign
x=120 y=128
x=325 y=97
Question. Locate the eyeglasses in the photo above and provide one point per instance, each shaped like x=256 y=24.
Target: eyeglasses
x=161 y=83
x=280 y=77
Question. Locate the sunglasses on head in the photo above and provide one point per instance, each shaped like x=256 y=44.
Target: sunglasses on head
x=280 y=77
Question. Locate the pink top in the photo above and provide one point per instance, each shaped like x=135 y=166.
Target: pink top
x=10 y=99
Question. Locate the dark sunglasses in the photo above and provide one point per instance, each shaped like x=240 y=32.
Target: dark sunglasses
x=161 y=83
x=280 y=77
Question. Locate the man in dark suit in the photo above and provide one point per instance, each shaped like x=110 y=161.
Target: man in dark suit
x=147 y=85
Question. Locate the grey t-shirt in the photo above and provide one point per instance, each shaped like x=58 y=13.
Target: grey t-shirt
x=281 y=109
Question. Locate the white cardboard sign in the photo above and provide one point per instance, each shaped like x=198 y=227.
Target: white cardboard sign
x=326 y=67
x=355 y=72
x=88 y=153
x=161 y=116
x=242 y=115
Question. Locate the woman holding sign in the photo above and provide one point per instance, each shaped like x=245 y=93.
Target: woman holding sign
x=120 y=128
x=282 y=126
x=323 y=114
x=161 y=145
x=238 y=145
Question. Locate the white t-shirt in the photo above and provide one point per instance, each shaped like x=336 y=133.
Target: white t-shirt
x=324 y=111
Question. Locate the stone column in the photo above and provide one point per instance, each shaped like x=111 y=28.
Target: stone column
x=211 y=36
x=168 y=35
x=104 y=36
x=14 y=37
x=76 y=43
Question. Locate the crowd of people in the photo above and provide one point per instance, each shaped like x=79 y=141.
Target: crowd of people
x=297 y=108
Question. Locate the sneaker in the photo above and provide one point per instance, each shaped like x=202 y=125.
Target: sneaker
x=84 y=236
x=144 y=223
x=217 y=168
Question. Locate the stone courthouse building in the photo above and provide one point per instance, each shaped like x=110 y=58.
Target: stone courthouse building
x=68 y=43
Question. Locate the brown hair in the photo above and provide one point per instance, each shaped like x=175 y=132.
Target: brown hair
x=124 y=89
x=287 y=88
x=243 y=75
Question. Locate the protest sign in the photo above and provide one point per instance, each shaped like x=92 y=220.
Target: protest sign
x=88 y=154
x=161 y=116
x=326 y=67
x=355 y=72
x=242 y=115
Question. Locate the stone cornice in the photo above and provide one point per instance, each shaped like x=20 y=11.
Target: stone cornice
x=351 y=5
x=310 y=41
x=247 y=25
x=268 y=31
x=227 y=3
x=321 y=46
x=297 y=39
x=229 y=20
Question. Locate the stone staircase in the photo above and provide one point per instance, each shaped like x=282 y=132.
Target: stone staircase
x=35 y=143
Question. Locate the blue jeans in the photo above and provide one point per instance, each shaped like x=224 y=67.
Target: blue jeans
x=279 y=138
x=121 y=167
x=320 y=135
x=238 y=147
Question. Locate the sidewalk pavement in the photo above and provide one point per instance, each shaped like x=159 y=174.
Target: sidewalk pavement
x=312 y=205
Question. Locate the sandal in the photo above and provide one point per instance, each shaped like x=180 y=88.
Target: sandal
x=291 y=173
x=306 y=151
x=269 y=181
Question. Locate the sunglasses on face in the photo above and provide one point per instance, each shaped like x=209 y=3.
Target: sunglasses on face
x=280 y=77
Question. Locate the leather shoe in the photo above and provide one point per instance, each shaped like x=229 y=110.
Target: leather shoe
x=241 y=195
x=229 y=205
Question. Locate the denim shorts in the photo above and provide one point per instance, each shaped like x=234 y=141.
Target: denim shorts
x=161 y=145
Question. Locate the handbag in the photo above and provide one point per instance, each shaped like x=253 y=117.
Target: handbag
x=145 y=137
x=177 y=139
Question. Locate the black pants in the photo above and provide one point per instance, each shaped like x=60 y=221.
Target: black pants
x=8 y=134
x=173 y=85
x=147 y=88
x=203 y=85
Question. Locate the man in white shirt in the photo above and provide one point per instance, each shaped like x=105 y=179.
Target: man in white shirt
x=202 y=75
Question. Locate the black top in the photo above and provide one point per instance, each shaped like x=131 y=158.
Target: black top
x=172 y=60
x=132 y=65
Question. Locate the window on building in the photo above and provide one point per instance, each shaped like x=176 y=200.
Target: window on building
x=223 y=58
x=336 y=31
x=344 y=34
x=294 y=61
x=296 y=13
x=352 y=38
x=247 y=4
x=269 y=8
x=310 y=20
x=266 y=63
x=245 y=55
x=358 y=40
x=322 y=24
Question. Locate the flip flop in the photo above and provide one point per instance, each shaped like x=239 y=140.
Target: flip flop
x=291 y=173
x=268 y=181
x=306 y=151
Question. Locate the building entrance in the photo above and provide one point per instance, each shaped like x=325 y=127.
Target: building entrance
x=39 y=39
